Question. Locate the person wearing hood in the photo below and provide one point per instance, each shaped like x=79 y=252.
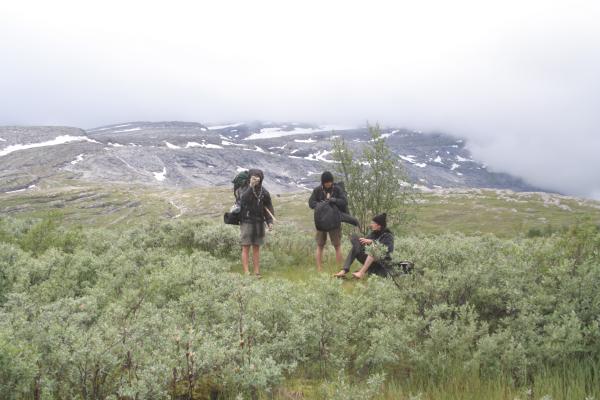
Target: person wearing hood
x=328 y=192
x=379 y=233
x=256 y=211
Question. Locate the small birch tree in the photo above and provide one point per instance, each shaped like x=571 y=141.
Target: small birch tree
x=375 y=181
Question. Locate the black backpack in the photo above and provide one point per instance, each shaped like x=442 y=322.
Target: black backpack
x=327 y=217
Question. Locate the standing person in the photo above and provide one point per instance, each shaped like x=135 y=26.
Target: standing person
x=379 y=233
x=333 y=194
x=256 y=211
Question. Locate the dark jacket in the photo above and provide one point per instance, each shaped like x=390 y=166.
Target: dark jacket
x=385 y=237
x=254 y=200
x=338 y=197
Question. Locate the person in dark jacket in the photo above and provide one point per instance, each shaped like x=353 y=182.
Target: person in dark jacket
x=256 y=211
x=333 y=194
x=379 y=233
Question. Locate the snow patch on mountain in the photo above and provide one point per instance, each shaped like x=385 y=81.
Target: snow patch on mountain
x=217 y=127
x=129 y=130
x=320 y=156
x=387 y=135
x=257 y=148
x=77 y=159
x=59 y=140
x=171 y=146
x=161 y=176
x=409 y=158
x=21 y=190
x=203 y=145
x=309 y=140
x=228 y=143
x=274 y=132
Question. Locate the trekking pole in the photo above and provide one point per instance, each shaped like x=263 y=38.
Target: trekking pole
x=272 y=216
x=392 y=275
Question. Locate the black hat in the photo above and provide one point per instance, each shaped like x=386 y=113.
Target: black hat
x=326 y=177
x=381 y=219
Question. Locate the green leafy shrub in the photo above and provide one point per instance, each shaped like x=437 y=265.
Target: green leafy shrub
x=47 y=233
x=154 y=312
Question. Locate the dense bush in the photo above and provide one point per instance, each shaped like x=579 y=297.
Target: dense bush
x=154 y=312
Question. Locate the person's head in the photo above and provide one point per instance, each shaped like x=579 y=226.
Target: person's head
x=256 y=173
x=327 y=179
x=379 y=222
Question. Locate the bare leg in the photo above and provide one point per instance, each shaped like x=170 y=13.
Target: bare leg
x=338 y=254
x=245 y=257
x=319 y=258
x=361 y=273
x=256 y=258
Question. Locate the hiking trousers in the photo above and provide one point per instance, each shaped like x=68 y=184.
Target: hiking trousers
x=357 y=252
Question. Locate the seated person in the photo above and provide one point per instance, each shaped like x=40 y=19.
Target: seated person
x=379 y=233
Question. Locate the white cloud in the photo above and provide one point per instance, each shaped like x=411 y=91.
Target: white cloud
x=517 y=79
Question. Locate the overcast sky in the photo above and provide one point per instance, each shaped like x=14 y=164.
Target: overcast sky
x=519 y=79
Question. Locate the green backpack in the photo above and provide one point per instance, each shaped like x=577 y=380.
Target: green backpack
x=240 y=180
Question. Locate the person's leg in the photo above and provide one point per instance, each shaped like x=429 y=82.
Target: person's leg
x=352 y=255
x=361 y=273
x=245 y=257
x=321 y=238
x=256 y=258
x=338 y=254
x=319 y=257
x=336 y=240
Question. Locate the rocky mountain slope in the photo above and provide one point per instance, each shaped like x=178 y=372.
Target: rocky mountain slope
x=188 y=154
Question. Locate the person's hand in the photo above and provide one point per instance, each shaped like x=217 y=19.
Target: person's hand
x=365 y=241
x=270 y=227
x=254 y=180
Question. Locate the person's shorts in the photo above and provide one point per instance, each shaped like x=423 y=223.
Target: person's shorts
x=335 y=236
x=252 y=233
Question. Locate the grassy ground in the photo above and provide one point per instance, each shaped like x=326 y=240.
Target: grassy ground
x=471 y=212
x=504 y=214
x=570 y=382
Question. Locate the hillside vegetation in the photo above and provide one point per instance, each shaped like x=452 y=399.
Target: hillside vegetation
x=469 y=211
x=105 y=299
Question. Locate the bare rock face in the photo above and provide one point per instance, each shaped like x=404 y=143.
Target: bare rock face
x=184 y=154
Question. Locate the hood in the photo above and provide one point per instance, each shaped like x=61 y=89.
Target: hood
x=256 y=172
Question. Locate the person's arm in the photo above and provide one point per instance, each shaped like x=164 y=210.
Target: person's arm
x=366 y=240
x=312 y=201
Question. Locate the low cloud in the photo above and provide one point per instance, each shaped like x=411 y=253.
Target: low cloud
x=518 y=80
